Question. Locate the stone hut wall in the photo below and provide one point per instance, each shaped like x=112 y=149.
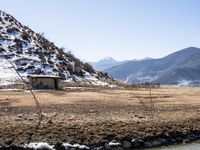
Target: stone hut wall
x=43 y=83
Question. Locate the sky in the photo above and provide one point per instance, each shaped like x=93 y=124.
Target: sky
x=122 y=29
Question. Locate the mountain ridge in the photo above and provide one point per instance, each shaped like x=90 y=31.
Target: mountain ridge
x=161 y=70
x=108 y=62
x=105 y=63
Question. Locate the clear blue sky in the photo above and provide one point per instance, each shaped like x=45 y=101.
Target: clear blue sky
x=123 y=29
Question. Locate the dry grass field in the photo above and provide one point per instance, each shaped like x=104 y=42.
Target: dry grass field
x=98 y=116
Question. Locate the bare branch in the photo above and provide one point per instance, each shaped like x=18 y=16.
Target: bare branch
x=39 y=110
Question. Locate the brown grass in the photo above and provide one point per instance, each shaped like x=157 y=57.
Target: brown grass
x=121 y=101
x=99 y=113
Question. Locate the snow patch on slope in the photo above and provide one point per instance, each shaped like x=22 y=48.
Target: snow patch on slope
x=146 y=79
x=184 y=82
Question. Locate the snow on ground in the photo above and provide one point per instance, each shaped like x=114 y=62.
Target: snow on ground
x=37 y=146
x=114 y=144
x=41 y=145
x=76 y=146
x=7 y=73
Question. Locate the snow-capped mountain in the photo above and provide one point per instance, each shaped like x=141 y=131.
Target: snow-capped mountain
x=32 y=53
x=106 y=63
x=109 y=62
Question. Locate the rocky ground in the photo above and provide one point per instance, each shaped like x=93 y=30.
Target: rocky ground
x=103 y=119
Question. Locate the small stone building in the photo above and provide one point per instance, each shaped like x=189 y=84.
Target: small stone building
x=44 y=81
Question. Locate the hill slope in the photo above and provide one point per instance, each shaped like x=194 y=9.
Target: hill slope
x=182 y=67
x=31 y=53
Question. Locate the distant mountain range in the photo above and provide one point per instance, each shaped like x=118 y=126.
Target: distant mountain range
x=109 y=62
x=181 y=67
x=106 y=63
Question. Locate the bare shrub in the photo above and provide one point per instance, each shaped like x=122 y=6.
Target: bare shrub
x=148 y=107
x=39 y=110
x=87 y=67
x=25 y=36
x=12 y=30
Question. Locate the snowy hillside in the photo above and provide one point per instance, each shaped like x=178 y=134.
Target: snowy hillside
x=31 y=53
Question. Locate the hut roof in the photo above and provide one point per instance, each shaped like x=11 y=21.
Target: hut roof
x=44 y=76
